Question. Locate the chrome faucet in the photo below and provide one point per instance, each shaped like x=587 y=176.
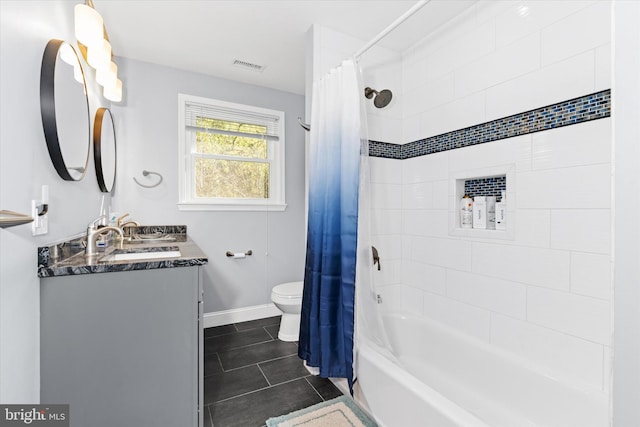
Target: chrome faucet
x=93 y=232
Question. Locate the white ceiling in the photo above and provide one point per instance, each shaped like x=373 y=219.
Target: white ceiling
x=206 y=36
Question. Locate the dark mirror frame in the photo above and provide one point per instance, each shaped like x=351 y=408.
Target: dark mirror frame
x=48 y=109
x=98 y=125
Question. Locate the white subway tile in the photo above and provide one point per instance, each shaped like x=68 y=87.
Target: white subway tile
x=506 y=63
x=432 y=223
x=385 y=129
x=424 y=276
x=463 y=317
x=463 y=48
x=412 y=300
x=433 y=167
x=389 y=245
x=386 y=196
x=603 y=68
x=449 y=253
x=441 y=194
x=533 y=227
x=385 y=171
x=515 y=151
x=391 y=298
x=573 y=188
x=608 y=368
x=417 y=196
x=527 y=17
x=413 y=72
x=577 y=145
x=580 y=316
x=429 y=94
x=490 y=293
x=559 y=355
x=591 y=275
x=564 y=80
x=534 y=266
x=386 y=221
x=587 y=230
x=390 y=272
x=411 y=128
x=458 y=114
x=586 y=29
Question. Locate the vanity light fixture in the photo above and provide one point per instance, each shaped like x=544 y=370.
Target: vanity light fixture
x=94 y=45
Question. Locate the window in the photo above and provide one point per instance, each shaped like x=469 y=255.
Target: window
x=231 y=156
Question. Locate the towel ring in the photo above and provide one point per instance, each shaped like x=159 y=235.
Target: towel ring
x=146 y=173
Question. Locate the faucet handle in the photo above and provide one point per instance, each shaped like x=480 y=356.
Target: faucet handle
x=96 y=222
x=120 y=219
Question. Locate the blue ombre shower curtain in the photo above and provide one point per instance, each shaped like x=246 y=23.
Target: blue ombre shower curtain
x=327 y=320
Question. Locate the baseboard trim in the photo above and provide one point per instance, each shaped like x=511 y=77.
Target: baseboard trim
x=244 y=314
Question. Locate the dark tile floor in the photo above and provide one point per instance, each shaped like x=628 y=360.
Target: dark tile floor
x=251 y=376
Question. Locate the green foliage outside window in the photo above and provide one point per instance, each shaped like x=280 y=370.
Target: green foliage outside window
x=226 y=176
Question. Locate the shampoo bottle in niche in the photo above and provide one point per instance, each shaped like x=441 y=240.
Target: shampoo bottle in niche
x=480 y=212
x=491 y=212
x=466 y=212
x=501 y=212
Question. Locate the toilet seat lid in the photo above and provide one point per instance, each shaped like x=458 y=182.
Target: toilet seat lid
x=290 y=290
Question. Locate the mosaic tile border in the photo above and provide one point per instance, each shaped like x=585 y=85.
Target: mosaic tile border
x=577 y=110
x=486 y=186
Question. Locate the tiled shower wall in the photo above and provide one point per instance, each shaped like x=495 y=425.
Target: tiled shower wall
x=543 y=294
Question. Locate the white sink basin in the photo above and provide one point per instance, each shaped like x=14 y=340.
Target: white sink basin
x=144 y=255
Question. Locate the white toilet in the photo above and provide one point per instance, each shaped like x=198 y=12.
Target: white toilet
x=288 y=298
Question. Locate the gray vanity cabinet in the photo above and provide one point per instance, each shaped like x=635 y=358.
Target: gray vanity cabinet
x=124 y=348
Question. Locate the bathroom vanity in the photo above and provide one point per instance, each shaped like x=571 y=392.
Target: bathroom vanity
x=122 y=340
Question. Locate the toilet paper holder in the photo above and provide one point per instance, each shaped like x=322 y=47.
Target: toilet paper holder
x=239 y=254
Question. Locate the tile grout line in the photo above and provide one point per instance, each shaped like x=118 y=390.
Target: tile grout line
x=314 y=389
x=262 y=361
x=262 y=372
x=253 y=391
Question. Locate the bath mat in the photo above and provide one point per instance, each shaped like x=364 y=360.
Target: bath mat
x=338 y=412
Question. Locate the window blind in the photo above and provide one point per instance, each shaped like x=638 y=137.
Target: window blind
x=195 y=111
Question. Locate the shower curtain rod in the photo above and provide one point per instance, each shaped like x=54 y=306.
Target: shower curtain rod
x=416 y=7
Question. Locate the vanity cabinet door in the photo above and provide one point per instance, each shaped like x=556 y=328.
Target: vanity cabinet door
x=123 y=348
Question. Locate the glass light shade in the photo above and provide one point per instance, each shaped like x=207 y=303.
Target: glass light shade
x=89 y=26
x=67 y=54
x=99 y=56
x=113 y=92
x=77 y=74
x=107 y=76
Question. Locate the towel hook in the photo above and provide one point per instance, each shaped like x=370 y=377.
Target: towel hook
x=146 y=173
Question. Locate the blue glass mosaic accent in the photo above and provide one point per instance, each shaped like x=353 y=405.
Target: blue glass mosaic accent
x=578 y=110
x=486 y=186
x=385 y=150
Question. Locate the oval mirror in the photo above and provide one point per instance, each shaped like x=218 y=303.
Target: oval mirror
x=104 y=149
x=64 y=106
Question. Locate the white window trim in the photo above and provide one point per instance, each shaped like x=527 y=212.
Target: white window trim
x=186 y=202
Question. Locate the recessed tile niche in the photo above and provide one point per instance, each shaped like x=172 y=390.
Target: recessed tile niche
x=483 y=182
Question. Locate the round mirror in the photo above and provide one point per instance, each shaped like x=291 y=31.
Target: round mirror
x=104 y=149
x=64 y=106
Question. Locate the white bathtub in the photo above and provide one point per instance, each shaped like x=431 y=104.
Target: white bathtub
x=440 y=378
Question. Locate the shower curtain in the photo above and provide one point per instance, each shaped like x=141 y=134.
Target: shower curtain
x=327 y=319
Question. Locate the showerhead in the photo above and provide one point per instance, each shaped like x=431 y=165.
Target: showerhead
x=382 y=99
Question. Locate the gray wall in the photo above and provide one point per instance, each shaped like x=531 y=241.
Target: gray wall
x=147 y=132
x=25 y=29
x=147 y=137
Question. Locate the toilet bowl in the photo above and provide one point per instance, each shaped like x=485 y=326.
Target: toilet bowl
x=288 y=298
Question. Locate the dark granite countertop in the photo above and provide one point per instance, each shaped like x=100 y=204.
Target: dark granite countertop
x=68 y=258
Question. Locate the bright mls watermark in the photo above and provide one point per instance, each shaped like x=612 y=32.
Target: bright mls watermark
x=34 y=415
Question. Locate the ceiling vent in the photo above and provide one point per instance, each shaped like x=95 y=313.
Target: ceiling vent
x=248 y=65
